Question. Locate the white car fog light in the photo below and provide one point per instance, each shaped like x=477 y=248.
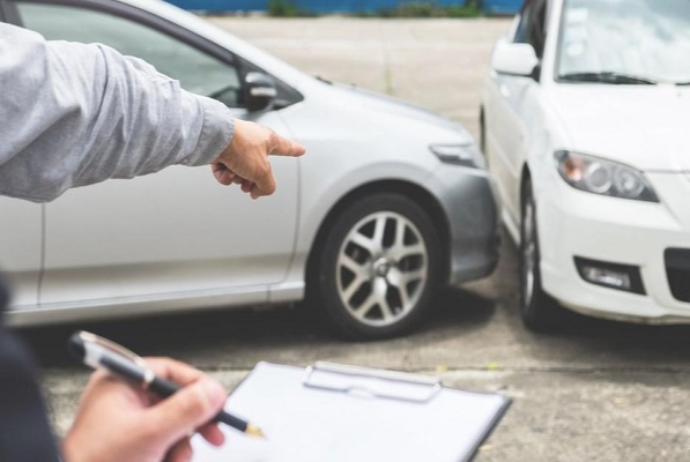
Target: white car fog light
x=607 y=277
x=612 y=275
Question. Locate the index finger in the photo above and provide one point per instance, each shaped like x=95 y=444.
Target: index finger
x=284 y=147
x=176 y=371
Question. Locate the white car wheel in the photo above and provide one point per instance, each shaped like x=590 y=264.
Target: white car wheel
x=538 y=310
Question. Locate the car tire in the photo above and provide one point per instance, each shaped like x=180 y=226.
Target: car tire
x=539 y=311
x=482 y=132
x=483 y=142
x=379 y=267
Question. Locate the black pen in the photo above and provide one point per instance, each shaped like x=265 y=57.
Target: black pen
x=100 y=353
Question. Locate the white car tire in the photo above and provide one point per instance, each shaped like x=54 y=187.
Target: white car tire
x=539 y=311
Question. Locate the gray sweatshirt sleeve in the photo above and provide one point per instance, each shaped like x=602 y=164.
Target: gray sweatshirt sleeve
x=74 y=114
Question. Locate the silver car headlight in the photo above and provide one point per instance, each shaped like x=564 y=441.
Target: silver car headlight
x=466 y=154
x=599 y=176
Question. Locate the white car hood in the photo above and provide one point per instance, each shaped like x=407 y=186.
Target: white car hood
x=646 y=127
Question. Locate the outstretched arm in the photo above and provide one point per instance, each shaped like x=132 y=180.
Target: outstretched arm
x=74 y=114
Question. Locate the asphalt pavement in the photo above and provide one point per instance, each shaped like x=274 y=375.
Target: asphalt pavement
x=596 y=391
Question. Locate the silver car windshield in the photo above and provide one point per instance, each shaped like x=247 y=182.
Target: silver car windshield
x=625 y=42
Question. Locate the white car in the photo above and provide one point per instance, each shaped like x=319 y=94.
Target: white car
x=586 y=126
x=390 y=204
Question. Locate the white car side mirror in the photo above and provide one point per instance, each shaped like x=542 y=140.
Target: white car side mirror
x=514 y=58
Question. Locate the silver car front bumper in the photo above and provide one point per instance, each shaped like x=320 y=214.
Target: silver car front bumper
x=472 y=209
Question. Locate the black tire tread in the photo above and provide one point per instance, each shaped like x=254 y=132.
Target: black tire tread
x=544 y=313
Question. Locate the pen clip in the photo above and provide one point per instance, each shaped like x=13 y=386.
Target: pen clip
x=104 y=343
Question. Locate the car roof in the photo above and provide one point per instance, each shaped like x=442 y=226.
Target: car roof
x=197 y=26
x=215 y=34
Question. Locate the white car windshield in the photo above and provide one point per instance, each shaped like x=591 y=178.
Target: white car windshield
x=625 y=42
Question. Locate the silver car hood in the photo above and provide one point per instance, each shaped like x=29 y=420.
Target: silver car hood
x=389 y=105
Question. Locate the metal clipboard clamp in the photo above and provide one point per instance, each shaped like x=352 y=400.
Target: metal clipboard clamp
x=373 y=383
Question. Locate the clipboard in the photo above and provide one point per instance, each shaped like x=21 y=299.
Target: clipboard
x=335 y=413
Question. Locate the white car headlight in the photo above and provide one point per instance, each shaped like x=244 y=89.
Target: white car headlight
x=599 y=176
x=466 y=154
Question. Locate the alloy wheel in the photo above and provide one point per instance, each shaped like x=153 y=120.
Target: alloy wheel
x=382 y=268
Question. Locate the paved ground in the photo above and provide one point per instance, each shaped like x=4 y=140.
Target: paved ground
x=598 y=391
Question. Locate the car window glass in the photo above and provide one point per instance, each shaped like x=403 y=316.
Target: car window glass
x=523 y=25
x=644 y=39
x=536 y=35
x=197 y=71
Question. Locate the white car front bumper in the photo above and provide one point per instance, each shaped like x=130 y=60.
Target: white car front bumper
x=642 y=235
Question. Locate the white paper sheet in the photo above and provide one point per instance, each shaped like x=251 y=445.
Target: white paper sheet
x=311 y=425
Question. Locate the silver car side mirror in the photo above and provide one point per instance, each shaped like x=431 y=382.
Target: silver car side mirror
x=261 y=91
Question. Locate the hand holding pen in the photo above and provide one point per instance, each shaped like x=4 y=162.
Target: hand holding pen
x=117 y=421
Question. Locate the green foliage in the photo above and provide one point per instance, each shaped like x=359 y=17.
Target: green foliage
x=286 y=9
x=414 y=10
x=405 y=9
x=462 y=11
x=429 y=9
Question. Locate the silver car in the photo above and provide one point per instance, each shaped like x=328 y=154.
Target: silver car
x=390 y=204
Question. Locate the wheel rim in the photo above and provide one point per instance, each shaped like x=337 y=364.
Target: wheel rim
x=382 y=269
x=529 y=255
